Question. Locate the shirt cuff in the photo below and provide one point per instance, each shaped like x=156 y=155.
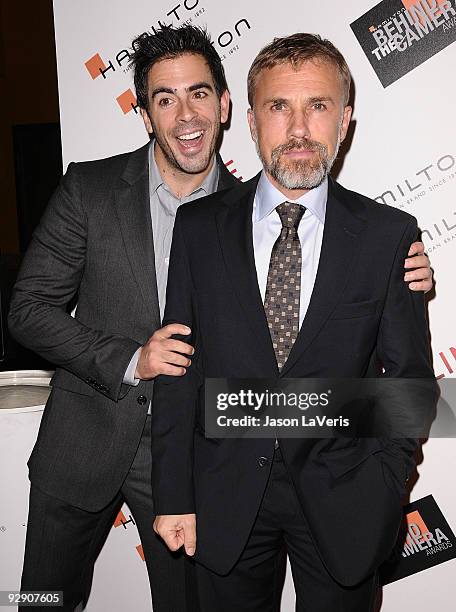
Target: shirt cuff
x=129 y=376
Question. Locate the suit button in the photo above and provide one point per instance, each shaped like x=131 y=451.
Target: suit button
x=262 y=461
x=142 y=399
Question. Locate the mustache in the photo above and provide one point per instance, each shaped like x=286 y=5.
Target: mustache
x=194 y=126
x=303 y=144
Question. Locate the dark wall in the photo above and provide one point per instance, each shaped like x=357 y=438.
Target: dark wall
x=28 y=93
x=29 y=137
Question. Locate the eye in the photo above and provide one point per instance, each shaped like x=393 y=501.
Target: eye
x=164 y=102
x=319 y=106
x=200 y=95
x=278 y=106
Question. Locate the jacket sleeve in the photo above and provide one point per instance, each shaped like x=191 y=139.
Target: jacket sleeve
x=175 y=399
x=49 y=281
x=404 y=351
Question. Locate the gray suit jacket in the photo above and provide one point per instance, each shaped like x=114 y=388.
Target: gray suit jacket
x=94 y=245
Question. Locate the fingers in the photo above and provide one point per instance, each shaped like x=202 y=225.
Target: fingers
x=420 y=277
x=152 y=363
x=168 y=370
x=421 y=286
x=161 y=355
x=416 y=248
x=419 y=261
x=190 y=538
x=174 y=359
x=178 y=346
x=177 y=530
x=417 y=284
x=173 y=539
x=171 y=329
x=422 y=274
x=167 y=528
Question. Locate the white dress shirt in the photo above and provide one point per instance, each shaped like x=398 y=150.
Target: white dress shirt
x=267 y=227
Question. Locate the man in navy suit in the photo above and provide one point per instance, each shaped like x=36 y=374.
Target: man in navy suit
x=288 y=275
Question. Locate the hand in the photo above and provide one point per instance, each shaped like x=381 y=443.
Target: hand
x=422 y=275
x=177 y=530
x=161 y=354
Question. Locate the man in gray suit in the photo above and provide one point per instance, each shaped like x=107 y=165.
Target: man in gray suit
x=104 y=242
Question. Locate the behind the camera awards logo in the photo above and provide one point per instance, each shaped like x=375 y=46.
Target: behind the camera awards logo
x=399 y=35
x=425 y=540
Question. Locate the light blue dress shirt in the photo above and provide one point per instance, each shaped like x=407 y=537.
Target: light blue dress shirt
x=163 y=208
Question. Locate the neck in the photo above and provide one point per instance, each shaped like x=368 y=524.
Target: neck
x=179 y=182
x=290 y=194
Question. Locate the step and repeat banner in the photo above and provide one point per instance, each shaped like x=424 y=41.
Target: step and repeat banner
x=402 y=152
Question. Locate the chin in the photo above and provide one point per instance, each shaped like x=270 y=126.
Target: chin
x=192 y=167
x=195 y=165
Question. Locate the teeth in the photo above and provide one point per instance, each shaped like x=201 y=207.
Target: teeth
x=190 y=136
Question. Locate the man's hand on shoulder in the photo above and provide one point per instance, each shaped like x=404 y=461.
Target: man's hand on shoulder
x=419 y=273
x=164 y=355
x=177 y=530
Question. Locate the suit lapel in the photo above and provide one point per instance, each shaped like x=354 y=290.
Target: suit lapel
x=343 y=224
x=133 y=211
x=234 y=224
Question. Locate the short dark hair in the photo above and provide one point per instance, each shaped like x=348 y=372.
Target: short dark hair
x=168 y=43
x=295 y=49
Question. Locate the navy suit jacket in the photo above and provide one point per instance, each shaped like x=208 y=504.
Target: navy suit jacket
x=360 y=309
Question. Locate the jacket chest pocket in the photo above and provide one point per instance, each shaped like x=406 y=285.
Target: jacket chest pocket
x=354 y=310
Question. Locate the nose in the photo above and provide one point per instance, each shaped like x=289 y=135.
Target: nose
x=186 y=111
x=299 y=124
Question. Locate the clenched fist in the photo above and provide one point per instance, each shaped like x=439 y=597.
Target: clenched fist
x=177 y=530
x=163 y=355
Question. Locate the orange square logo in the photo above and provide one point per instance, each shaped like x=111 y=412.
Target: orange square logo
x=94 y=65
x=127 y=101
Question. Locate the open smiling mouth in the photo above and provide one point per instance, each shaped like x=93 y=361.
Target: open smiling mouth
x=189 y=140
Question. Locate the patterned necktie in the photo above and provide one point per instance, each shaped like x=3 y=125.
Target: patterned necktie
x=283 y=286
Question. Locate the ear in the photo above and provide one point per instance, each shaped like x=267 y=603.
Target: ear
x=252 y=124
x=345 y=122
x=224 y=106
x=146 y=119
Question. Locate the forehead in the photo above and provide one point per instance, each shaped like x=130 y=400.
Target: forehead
x=179 y=72
x=310 y=77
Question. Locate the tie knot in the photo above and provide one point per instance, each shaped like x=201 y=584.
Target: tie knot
x=290 y=214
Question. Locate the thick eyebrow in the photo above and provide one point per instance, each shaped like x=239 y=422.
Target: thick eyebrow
x=169 y=90
x=160 y=90
x=201 y=85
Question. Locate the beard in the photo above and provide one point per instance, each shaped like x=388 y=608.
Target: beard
x=300 y=174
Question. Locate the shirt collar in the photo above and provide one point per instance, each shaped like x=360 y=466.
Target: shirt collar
x=268 y=197
x=208 y=186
